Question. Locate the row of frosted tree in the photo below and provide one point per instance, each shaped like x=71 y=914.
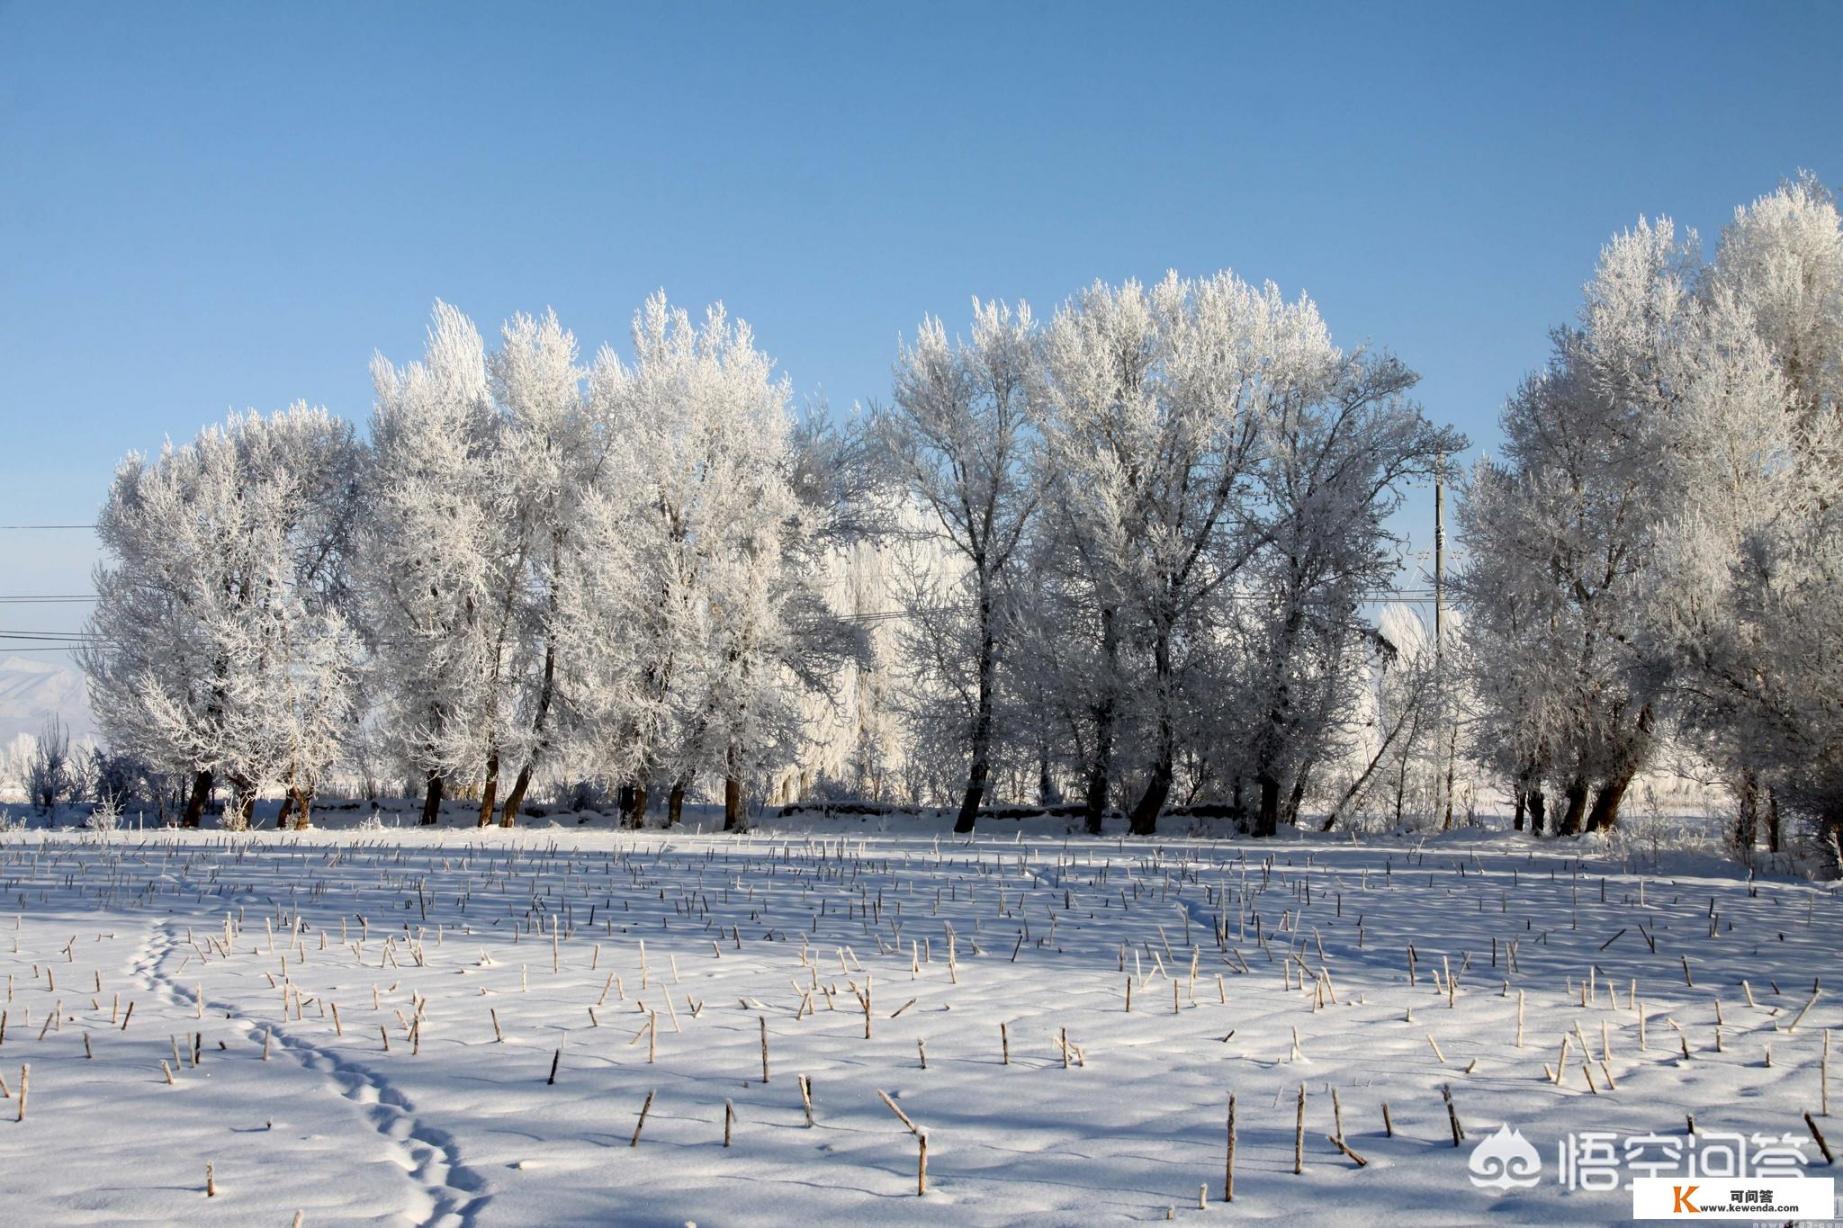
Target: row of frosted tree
x=1655 y=556
x=1153 y=526
x=523 y=556
x=1151 y=532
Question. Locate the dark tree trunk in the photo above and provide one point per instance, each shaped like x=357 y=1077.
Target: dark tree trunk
x=1452 y=753
x=1525 y=785
x=1401 y=788
x=432 y=799
x=515 y=800
x=1604 y=815
x=732 y=804
x=287 y=808
x=489 y=792
x=1267 y=823
x=1356 y=786
x=969 y=801
x=732 y=795
x=1296 y=798
x=675 y=803
x=1772 y=820
x=1538 y=810
x=1094 y=808
x=197 y=800
x=509 y=815
x=981 y=767
x=1747 y=799
x=1612 y=791
x=1094 y=803
x=1577 y=807
x=636 y=805
x=303 y=803
x=1144 y=819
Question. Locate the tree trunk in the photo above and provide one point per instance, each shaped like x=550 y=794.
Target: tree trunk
x=1295 y=798
x=981 y=766
x=1747 y=800
x=489 y=792
x=675 y=803
x=244 y=799
x=1452 y=753
x=1094 y=802
x=1144 y=819
x=287 y=808
x=509 y=816
x=1772 y=820
x=1605 y=813
x=1356 y=786
x=636 y=805
x=1829 y=835
x=1612 y=792
x=732 y=794
x=1526 y=784
x=1577 y=807
x=1267 y=823
x=515 y=800
x=432 y=799
x=1094 y=808
x=1538 y=810
x=303 y=808
x=197 y=800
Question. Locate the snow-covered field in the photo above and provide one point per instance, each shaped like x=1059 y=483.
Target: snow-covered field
x=377 y=1016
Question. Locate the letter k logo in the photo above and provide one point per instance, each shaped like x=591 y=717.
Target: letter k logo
x=1681 y=1203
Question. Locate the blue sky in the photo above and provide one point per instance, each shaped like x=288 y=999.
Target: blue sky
x=205 y=208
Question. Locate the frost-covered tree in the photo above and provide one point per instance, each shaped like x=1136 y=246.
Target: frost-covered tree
x=546 y=454
x=1211 y=444
x=957 y=438
x=219 y=645
x=1658 y=541
x=1153 y=409
x=1561 y=530
x=1336 y=461
x=433 y=565
x=679 y=619
x=1748 y=617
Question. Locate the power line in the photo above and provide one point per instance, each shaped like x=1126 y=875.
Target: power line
x=46 y=526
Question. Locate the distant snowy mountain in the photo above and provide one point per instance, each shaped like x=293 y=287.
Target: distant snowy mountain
x=32 y=692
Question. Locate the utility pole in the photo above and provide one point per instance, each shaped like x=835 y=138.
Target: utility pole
x=1439 y=612
x=1439 y=550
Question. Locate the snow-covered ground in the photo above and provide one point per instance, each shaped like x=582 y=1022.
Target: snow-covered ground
x=377 y=1016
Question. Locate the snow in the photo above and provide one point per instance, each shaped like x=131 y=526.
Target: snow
x=454 y=1126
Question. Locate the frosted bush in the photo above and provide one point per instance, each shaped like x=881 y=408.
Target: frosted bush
x=105 y=816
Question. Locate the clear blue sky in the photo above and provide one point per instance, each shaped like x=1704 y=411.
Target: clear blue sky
x=205 y=208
